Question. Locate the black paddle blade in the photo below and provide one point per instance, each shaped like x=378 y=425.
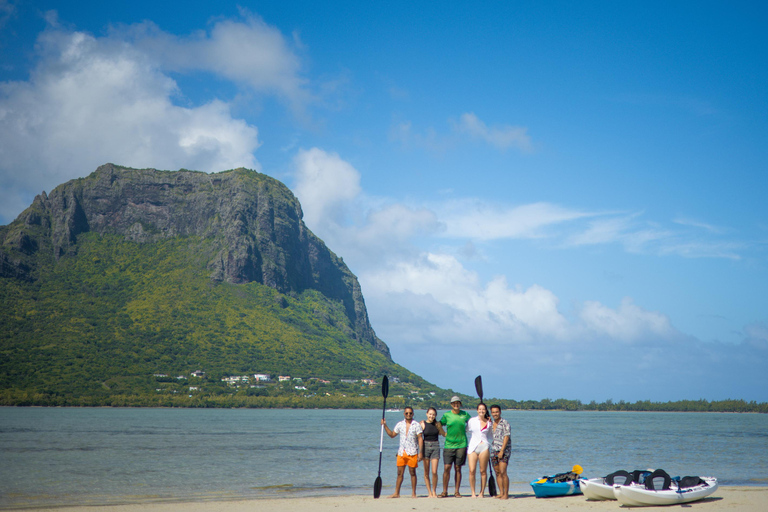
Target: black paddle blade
x=479 y=386
x=385 y=387
x=377 y=487
x=492 y=486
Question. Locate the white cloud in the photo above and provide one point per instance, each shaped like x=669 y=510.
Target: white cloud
x=248 y=52
x=495 y=313
x=90 y=101
x=480 y=220
x=325 y=185
x=382 y=241
x=7 y=10
x=602 y=231
x=628 y=323
x=501 y=137
x=697 y=224
x=638 y=236
x=430 y=140
x=361 y=228
x=395 y=224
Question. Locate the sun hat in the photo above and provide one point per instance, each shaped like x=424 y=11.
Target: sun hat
x=455 y=398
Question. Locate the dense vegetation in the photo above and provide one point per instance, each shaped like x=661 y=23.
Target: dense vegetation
x=97 y=326
x=125 y=324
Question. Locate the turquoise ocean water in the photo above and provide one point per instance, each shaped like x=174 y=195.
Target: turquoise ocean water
x=68 y=456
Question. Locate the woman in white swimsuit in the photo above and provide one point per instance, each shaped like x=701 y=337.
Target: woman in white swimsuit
x=480 y=433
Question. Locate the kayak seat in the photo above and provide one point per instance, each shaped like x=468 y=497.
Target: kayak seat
x=690 y=481
x=659 y=480
x=639 y=476
x=619 y=477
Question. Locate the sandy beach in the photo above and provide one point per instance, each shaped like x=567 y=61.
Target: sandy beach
x=747 y=499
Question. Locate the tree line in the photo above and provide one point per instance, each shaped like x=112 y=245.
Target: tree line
x=339 y=401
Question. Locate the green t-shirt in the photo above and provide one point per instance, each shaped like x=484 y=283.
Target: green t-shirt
x=455 y=429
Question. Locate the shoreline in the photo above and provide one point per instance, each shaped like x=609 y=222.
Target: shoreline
x=739 y=498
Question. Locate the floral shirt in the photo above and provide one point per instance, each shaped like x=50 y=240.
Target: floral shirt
x=409 y=444
x=501 y=430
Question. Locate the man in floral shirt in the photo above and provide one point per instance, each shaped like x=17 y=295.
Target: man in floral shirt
x=501 y=450
x=411 y=448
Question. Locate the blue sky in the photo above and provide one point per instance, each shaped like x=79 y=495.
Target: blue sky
x=567 y=199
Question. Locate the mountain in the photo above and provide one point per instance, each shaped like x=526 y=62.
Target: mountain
x=115 y=284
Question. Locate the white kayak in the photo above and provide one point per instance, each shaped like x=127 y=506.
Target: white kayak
x=602 y=488
x=638 y=496
x=596 y=489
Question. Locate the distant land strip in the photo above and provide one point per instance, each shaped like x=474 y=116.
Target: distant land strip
x=338 y=401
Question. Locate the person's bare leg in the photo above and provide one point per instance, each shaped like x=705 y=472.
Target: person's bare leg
x=413 y=480
x=472 y=461
x=427 y=479
x=483 y=460
x=398 y=481
x=458 y=480
x=503 y=480
x=434 y=463
x=446 y=477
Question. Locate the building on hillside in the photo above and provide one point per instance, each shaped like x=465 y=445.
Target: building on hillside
x=283 y=378
x=235 y=379
x=198 y=373
x=262 y=377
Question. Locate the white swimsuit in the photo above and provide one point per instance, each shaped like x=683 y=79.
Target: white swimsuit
x=481 y=438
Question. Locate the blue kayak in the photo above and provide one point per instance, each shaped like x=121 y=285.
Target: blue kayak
x=550 y=489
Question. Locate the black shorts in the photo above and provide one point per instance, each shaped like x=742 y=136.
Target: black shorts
x=455 y=456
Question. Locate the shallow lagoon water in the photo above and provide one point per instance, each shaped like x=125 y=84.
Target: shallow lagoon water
x=67 y=456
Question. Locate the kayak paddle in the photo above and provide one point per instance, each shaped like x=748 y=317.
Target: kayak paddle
x=384 y=393
x=491 y=480
x=479 y=386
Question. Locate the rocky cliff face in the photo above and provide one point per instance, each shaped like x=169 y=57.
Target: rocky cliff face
x=254 y=222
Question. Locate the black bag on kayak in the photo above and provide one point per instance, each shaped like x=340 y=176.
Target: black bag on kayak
x=619 y=477
x=690 y=481
x=563 y=477
x=659 y=480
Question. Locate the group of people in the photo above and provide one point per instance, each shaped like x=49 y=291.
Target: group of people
x=477 y=440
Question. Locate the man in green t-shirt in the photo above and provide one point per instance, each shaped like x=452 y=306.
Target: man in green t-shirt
x=455 y=448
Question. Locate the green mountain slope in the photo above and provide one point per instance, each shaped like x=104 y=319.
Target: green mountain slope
x=105 y=300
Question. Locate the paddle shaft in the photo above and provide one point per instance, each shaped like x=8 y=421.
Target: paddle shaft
x=381 y=441
x=384 y=392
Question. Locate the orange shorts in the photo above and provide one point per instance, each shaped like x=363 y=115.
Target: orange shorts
x=412 y=461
